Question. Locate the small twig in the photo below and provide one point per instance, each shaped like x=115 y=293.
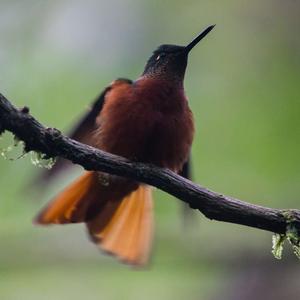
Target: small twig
x=213 y=205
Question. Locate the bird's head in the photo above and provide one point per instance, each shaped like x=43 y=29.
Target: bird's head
x=170 y=61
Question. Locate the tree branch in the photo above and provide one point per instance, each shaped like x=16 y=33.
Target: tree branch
x=213 y=205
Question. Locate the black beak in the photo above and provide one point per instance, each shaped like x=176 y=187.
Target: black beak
x=195 y=41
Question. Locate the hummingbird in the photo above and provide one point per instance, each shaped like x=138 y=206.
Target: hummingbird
x=147 y=120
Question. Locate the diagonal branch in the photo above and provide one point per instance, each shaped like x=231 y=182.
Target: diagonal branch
x=213 y=205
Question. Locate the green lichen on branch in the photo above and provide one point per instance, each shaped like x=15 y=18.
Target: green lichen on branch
x=41 y=160
x=277 y=244
x=291 y=235
x=17 y=146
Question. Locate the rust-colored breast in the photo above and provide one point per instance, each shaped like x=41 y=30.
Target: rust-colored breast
x=148 y=121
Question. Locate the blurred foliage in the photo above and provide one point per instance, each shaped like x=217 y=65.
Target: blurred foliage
x=242 y=82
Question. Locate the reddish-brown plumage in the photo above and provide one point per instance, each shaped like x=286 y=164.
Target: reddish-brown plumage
x=148 y=121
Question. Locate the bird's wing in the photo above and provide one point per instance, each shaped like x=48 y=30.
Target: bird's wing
x=186 y=169
x=81 y=132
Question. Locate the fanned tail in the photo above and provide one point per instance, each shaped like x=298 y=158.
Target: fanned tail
x=128 y=233
x=118 y=216
x=71 y=204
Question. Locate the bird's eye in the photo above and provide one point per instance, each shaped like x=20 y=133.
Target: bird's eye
x=161 y=55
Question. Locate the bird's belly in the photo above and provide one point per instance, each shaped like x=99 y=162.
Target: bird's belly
x=163 y=140
x=170 y=142
x=148 y=129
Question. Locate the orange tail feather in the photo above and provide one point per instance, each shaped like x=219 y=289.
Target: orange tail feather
x=128 y=233
x=63 y=208
x=122 y=227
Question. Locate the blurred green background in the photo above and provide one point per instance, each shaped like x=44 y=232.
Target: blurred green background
x=243 y=86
